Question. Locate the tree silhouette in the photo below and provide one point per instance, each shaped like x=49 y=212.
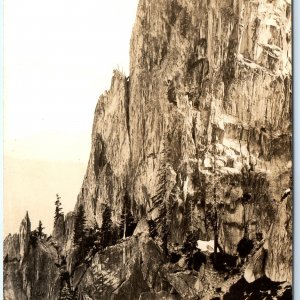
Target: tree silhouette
x=79 y=227
x=40 y=230
x=68 y=294
x=106 y=234
x=127 y=224
x=215 y=210
x=153 y=230
x=58 y=209
x=33 y=238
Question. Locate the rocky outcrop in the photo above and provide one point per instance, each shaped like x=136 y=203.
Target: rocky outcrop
x=29 y=267
x=124 y=271
x=279 y=262
x=11 y=248
x=256 y=267
x=24 y=236
x=198 y=141
x=274 y=258
x=59 y=230
x=105 y=179
x=209 y=98
x=16 y=246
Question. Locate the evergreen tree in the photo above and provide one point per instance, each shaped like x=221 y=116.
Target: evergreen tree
x=106 y=228
x=33 y=239
x=93 y=239
x=213 y=221
x=68 y=294
x=127 y=224
x=58 y=209
x=214 y=211
x=79 y=226
x=153 y=229
x=40 y=230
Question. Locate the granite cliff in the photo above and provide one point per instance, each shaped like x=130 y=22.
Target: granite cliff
x=203 y=122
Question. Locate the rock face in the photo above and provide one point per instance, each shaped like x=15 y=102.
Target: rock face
x=24 y=236
x=124 y=271
x=198 y=134
x=59 y=230
x=274 y=258
x=29 y=268
x=209 y=100
x=255 y=269
x=279 y=262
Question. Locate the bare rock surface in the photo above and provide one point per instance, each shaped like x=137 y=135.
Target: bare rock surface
x=201 y=125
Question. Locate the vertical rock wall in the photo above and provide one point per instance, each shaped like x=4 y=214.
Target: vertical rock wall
x=207 y=107
x=209 y=95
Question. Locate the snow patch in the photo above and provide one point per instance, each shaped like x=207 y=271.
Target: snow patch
x=206 y=246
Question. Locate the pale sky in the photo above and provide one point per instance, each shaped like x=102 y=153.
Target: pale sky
x=58 y=59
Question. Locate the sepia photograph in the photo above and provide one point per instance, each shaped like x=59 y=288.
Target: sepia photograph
x=148 y=150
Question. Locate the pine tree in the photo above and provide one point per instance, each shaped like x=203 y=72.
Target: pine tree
x=214 y=212
x=127 y=224
x=213 y=220
x=40 y=230
x=33 y=239
x=106 y=227
x=79 y=226
x=68 y=294
x=153 y=229
x=58 y=209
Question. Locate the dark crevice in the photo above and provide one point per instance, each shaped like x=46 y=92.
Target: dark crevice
x=126 y=103
x=229 y=65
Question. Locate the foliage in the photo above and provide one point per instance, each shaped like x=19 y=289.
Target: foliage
x=87 y=240
x=127 y=224
x=58 y=209
x=174 y=257
x=36 y=234
x=92 y=238
x=106 y=228
x=153 y=229
x=190 y=243
x=68 y=294
x=79 y=227
x=40 y=228
x=196 y=260
x=33 y=238
x=212 y=218
x=244 y=247
x=223 y=261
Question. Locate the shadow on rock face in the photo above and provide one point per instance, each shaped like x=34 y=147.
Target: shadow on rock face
x=262 y=288
x=223 y=261
x=244 y=247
